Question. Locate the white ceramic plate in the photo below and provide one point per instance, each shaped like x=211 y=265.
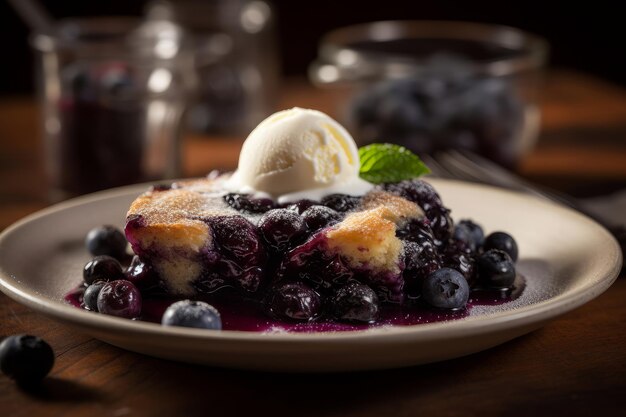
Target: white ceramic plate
x=567 y=259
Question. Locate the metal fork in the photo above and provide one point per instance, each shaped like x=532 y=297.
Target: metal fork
x=465 y=165
x=468 y=166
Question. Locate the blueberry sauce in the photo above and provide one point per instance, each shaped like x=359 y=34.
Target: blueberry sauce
x=247 y=314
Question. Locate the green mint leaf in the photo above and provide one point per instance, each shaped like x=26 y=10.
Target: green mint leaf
x=385 y=162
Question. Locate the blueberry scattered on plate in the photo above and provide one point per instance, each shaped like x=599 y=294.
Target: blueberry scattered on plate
x=196 y=314
x=495 y=269
x=106 y=240
x=102 y=268
x=502 y=241
x=446 y=288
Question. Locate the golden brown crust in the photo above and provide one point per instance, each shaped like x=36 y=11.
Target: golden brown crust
x=175 y=219
x=401 y=209
x=367 y=238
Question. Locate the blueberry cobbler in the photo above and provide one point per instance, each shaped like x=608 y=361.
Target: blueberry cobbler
x=308 y=234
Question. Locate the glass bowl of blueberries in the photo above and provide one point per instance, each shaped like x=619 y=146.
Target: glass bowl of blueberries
x=113 y=91
x=436 y=85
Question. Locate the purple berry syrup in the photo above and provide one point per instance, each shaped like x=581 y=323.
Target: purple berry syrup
x=246 y=315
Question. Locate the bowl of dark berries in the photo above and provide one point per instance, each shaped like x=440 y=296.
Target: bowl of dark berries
x=437 y=85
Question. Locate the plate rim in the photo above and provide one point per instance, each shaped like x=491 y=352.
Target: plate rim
x=542 y=311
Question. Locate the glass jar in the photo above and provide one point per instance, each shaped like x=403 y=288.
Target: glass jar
x=236 y=60
x=113 y=92
x=435 y=85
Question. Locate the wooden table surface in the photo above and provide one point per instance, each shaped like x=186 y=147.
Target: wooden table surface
x=574 y=366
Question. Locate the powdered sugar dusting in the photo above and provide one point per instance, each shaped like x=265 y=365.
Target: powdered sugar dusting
x=401 y=208
x=186 y=202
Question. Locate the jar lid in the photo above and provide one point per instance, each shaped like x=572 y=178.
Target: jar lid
x=394 y=49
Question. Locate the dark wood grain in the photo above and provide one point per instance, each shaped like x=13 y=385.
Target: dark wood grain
x=574 y=366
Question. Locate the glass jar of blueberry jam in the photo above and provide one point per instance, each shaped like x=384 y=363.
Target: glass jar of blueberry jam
x=113 y=92
x=436 y=85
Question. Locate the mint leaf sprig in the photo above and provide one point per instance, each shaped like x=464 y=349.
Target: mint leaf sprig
x=386 y=162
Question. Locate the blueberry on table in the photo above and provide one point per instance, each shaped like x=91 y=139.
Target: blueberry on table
x=282 y=227
x=120 y=298
x=26 y=359
x=102 y=268
x=106 y=240
x=90 y=296
x=196 y=314
x=502 y=241
x=355 y=302
x=495 y=269
x=446 y=288
x=294 y=301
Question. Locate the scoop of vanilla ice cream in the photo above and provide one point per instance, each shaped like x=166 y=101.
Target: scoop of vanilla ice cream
x=299 y=153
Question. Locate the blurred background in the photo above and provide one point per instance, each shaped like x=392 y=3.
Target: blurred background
x=163 y=89
x=587 y=38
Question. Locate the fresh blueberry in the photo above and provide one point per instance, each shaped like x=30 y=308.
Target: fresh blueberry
x=282 y=227
x=106 y=240
x=502 y=241
x=317 y=217
x=90 y=296
x=364 y=107
x=397 y=113
x=355 y=302
x=461 y=233
x=446 y=288
x=471 y=233
x=102 y=268
x=243 y=202
x=120 y=298
x=495 y=269
x=294 y=301
x=447 y=105
x=195 y=314
x=341 y=202
x=26 y=359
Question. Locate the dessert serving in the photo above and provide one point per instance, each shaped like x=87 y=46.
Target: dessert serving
x=308 y=234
